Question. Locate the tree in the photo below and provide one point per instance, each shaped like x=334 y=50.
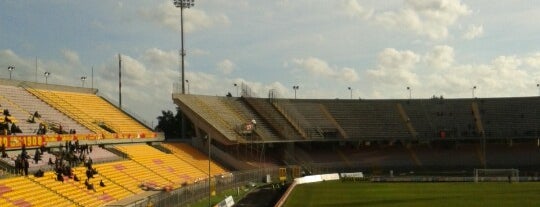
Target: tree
x=171 y=124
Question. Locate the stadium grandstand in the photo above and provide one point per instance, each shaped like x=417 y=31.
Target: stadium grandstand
x=73 y=147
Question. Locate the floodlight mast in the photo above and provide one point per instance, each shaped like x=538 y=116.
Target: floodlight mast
x=183 y=4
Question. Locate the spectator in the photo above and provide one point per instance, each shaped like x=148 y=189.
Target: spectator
x=37 y=115
x=89 y=185
x=39 y=173
x=254 y=122
x=37 y=156
x=101 y=183
x=59 y=177
x=26 y=165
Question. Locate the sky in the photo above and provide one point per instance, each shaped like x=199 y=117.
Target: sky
x=377 y=48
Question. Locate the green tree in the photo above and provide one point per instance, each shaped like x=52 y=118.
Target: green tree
x=171 y=124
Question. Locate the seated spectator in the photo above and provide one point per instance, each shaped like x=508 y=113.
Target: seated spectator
x=101 y=183
x=50 y=161
x=89 y=174
x=59 y=177
x=15 y=129
x=39 y=173
x=31 y=119
x=75 y=178
x=37 y=115
x=89 y=185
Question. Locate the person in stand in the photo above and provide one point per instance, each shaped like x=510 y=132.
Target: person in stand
x=59 y=177
x=89 y=186
x=37 y=156
x=26 y=165
x=101 y=183
x=89 y=174
x=37 y=115
x=254 y=122
x=3 y=149
x=39 y=173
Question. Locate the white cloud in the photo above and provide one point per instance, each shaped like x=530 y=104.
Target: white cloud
x=71 y=56
x=194 y=19
x=430 y=18
x=473 y=32
x=395 y=67
x=320 y=68
x=354 y=9
x=442 y=56
x=226 y=66
x=533 y=60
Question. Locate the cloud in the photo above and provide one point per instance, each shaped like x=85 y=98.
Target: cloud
x=354 y=9
x=429 y=18
x=71 y=56
x=320 y=68
x=226 y=66
x=510 y=75
x=395 y=67
x=473 y=32
x=442 y=56
x=533 y=60
x=194 y=19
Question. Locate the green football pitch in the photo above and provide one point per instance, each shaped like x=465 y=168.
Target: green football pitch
x=337 y=193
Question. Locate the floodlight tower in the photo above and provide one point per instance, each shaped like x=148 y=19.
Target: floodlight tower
x=10 y=68
x=410 y=92
x=46 y=74
x=83 y=79
x=295 y=88
x=183 y=4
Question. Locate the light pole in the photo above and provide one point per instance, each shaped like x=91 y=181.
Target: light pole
x=236 y=86
x=473 y=89
x=350 y=89
x=538 y=86
x=46 y=74
x=10 y=68
x=295 y=88
x=183 y=4
x=209 y=175
x=83 y=79
x=187 y=82
x=410 y=92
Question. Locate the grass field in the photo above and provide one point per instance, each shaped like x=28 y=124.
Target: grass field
x=336 y=193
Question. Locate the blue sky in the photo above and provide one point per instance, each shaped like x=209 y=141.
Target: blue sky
x=378 y=48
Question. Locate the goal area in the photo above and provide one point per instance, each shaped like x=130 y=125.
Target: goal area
x=496 y=175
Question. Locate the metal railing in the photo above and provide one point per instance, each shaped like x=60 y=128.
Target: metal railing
x=188 y=194
x=126 y=110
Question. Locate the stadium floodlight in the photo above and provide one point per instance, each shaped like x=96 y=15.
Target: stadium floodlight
x=236 y=86
x=350 y=89
x=83 y=79
x=473 y=89
x=46 y=74
x=10 y=68
x=410 y=92
x=183 y=4
x=295 y=88
x=538 y=86
x=187 y=82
